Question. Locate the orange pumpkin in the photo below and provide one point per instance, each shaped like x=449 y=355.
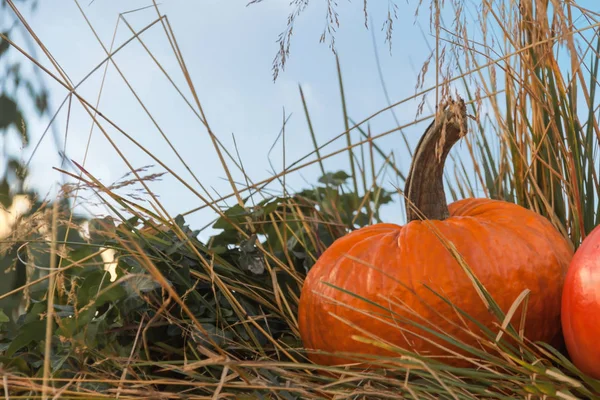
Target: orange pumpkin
x=581 y=306
x=508 y=247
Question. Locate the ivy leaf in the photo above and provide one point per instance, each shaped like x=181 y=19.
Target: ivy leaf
x=235 y=214
x=94 y=288
x=180 y=221
x=70 y=326
x=382 y=196
x=308 y=194
x=30 y=332
x=362 y=219
x=271 y=205
x=334 y=178
x=34 y=313
x=224 y=239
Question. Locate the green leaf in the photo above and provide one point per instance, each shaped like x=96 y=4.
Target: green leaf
x=30 y=332
x=34 y=313
x=362 y=219
x=3 y=317
x=112 y=295
x=11 y=115
x=180 y=221
x=334 y=178
x=94 y=288
x=69 y=327
x=265 y=207
x=235 y=214
x=10 y=363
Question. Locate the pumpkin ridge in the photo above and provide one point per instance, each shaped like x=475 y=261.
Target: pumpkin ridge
x=508 y=247
x=337 y=269
x=399 y=258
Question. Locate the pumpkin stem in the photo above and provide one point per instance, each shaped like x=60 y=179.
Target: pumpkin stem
x=424 y=187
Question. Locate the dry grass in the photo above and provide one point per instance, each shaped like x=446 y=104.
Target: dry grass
x=187 y=319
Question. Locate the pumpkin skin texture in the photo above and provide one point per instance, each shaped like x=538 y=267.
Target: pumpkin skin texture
x=509 y=248
x=581 y=306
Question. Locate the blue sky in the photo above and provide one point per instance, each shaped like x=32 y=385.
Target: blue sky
x=228 y=48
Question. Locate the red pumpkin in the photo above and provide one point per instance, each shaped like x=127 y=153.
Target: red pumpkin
x=581 y=306
x=508 y=247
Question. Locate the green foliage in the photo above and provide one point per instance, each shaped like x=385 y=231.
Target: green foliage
x=11 y=115
x=17 y=91
x=231 y=286
x=179 y=302
x=16 y=86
